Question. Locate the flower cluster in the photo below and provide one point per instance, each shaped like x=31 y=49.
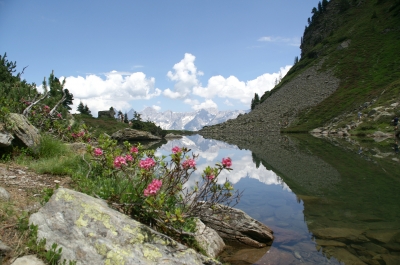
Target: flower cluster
x=129 y=158
x=153 y=187
x=147 y=163
x=98 y=152
x=210 y=177
x=46 y=108
x=190 y=163
x=119 y=161
x=79 y=134
x=176 y=149
x=227 y=162
x=134 y=149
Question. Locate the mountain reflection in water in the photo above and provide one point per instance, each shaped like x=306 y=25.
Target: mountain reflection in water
x=325 y=205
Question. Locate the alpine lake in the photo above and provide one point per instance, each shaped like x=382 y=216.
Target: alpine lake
x=328 y=201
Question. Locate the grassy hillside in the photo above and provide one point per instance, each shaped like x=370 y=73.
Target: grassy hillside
x=369 y=68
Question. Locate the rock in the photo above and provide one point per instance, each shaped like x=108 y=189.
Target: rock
x=4 y=195
x=208 y=239
x=379 y=134
x=381 y=236
x=394 y=105
x=317 y=130
x=391 y=259
x=235 y=225
x=324 y=243
x=5 y=137
x=173 y=136
x=24 y=131
x=78 y=148
x=346 y=257
x=91 y=233
x=340 y=234
x=4 y=250
x=128 y=134
x=28 y=260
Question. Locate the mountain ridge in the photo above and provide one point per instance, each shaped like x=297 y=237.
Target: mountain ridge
x=191 y=121
x=349 y=57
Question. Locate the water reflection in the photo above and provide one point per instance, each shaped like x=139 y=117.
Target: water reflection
x=325 y=205
x=350 y=204
x=266 y=198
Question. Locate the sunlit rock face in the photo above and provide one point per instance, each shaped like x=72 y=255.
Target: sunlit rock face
x=92 y=233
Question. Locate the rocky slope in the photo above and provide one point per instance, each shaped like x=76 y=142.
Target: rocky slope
x=278 y=111
x=349 y=57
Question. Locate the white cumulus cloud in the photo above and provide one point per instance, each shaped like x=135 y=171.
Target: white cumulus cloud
x=117 y=89
x=233 y=88
x=157 y=108
x=185 y=77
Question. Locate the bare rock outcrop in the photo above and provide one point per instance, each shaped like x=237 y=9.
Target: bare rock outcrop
x=22 y=131
x=129 y=134
x=92 y=233
x=235 y=225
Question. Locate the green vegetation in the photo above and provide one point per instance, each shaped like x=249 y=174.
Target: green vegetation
x=369 y=68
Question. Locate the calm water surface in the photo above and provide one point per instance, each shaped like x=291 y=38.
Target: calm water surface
x=326 y=204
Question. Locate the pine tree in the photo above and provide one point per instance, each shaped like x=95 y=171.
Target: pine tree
x=255 y=101
x=81 y=108
x=324 y=5
x=84 y=109
x=126 y=118
x=68 y=100
x=87 y=111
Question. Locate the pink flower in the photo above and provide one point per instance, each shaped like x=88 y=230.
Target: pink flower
x=69 y=128
x=74 y=135
x=211 y=177
x=46 y=108
x=80 y=134
x=153 y=187
x=98 y=152
x=59 y=115
x=190 y=163
x=134 y=149
x=176 y=149
x=129 y=158
x=119 y=161
x=147 y=163
x=227 y=162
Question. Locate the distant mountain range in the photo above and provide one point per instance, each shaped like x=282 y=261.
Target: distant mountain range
x=191 y=121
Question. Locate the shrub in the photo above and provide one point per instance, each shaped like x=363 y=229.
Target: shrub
x=155 y=191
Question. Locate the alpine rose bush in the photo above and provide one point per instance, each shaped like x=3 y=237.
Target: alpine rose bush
x=154 y=190
x=119 y=161
x=98 y=152
x=227 y=162
x=147 y=163
x=176 y=149
x=190 y=163
x=153 y=187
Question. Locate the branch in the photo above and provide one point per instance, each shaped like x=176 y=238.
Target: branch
x=28 y=109
x=58 y=103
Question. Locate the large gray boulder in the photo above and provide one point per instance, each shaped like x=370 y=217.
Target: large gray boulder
x=92 y=233
x=129 y=134
x=5 y=137
x=208 y=239
x=21 y=130
x=236 y=226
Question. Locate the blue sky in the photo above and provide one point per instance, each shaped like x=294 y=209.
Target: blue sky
x=179 y=55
